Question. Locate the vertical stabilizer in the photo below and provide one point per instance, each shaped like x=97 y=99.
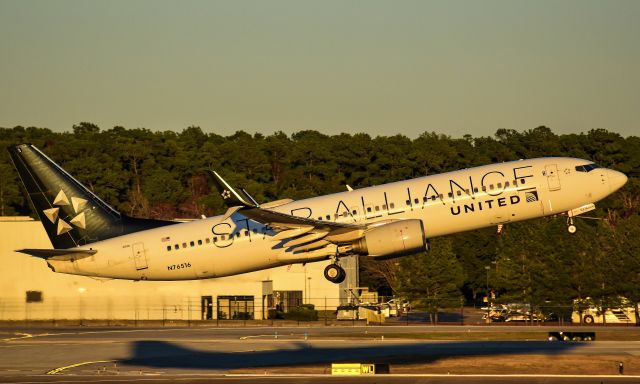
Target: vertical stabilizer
x=70 y=213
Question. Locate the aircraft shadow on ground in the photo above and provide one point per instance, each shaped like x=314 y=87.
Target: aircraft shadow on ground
x=160 y=354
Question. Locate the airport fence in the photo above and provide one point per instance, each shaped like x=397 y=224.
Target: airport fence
x=246 y=311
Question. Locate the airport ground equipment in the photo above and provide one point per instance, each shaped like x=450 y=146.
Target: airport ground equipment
x=571 y=336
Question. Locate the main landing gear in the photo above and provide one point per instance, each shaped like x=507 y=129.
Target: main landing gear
x=334 y=273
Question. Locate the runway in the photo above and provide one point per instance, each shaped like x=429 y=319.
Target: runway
x=264 y=354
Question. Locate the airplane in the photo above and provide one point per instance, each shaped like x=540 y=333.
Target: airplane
x=91 y=238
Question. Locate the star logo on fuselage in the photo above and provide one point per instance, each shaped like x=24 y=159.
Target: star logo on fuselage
x=53 y=214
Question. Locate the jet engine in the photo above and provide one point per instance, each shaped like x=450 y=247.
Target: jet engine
x=387 y=241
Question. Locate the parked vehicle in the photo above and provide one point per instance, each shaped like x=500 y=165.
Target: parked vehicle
x=590 y=313
x=513 y=312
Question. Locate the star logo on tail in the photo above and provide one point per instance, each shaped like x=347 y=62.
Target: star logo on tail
x=225 y=194
x=53 y=213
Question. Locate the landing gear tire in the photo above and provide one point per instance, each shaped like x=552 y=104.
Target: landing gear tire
x=570 y=227
x=334 y=273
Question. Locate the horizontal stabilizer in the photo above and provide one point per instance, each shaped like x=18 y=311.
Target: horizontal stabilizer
x=59 y=254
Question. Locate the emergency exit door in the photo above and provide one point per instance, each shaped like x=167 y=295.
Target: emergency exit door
x=139 y=256
x=551 y=171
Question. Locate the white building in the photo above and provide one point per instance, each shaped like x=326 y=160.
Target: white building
x=29 y=290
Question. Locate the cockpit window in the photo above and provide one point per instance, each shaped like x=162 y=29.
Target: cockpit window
x=587 y=167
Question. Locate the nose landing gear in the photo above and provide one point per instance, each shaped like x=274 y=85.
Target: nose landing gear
x=334 y=273
x=570 y=226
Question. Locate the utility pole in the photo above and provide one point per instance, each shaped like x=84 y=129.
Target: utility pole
x=488 y=294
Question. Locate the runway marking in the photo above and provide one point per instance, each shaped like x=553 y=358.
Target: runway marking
x=22 y=336
x=58 y=370
x=205 y=376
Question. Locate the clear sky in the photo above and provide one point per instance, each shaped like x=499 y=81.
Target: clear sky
x=381 y=67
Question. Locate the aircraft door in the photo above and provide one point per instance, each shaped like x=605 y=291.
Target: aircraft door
x=551 y=171
x=139 y=256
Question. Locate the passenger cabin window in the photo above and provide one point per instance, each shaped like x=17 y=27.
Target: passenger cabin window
x=408 y=202
x=199 y=242
x=392 y=205
x=499 y=185
x=328 y=217
x=377 y=208
x=176 y=247
x=168 y=247
x=475 y=189
x=368 y=209
x=459 y=193
x=207 y=240
x=491 y=187
x=192 y=243
x=184 y=245
x=417 y=201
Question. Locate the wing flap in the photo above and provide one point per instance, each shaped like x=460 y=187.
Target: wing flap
x=291 y=233
x=305 y=239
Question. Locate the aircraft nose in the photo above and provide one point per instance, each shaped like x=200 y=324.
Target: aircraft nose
x=616 y=179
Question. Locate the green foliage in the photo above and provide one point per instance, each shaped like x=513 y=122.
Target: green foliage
x=164 y=175
x=433 y=279
x=304 y=312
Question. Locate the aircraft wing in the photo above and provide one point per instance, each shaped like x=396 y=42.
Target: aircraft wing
x=299 y=232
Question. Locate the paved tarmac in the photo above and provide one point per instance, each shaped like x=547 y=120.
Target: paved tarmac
x=210 y=354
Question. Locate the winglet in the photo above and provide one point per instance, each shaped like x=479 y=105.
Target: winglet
x=231 y=196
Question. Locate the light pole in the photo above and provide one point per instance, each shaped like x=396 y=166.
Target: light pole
x=309 y=291
x=486 y=268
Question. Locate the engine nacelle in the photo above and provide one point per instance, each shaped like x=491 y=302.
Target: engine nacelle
x=399 y=238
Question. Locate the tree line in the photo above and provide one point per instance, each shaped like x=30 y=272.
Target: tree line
x=163 y=175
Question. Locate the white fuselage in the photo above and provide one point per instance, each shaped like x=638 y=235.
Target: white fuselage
x=446 y=203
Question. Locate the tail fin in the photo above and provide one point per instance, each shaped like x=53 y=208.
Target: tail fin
x=71 y=214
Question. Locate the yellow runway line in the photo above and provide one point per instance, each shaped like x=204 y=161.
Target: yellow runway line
x=21 y=336
x=58 y=370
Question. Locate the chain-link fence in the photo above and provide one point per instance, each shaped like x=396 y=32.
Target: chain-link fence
x=249 y=310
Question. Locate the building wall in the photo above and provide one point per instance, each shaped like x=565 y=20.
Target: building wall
x=79 y=297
